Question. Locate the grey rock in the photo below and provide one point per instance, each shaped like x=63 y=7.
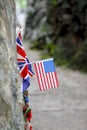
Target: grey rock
x=10 y=82
x=36 y=25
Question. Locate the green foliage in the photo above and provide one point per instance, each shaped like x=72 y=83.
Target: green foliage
x=70 y=57
x=79 y=60
x=82 y=2
x=59 y=55
x=35 y=45
x=54 y=2
x=21 y=3
x=65 y=27
x=38 y=44
x=50 y=48
x=66 y=56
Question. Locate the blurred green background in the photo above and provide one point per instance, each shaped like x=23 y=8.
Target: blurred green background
x=59 y=29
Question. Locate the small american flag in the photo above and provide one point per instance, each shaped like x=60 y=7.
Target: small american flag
x=46 y=74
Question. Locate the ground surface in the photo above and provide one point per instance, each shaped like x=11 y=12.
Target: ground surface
x=64 y=108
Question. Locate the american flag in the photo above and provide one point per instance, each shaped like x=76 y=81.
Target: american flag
x=46 y=74
x=23 y=62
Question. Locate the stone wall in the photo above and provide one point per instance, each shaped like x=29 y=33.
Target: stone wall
x=10 y=93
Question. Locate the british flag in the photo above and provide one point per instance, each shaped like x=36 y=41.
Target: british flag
x=23 y=61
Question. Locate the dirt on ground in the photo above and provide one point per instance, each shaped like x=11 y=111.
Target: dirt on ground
x=63 y=108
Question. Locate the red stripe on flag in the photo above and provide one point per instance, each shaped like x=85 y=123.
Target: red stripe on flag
x=37 y=74
x=19 y=36
x=50 y=78
x=46 y=80
x=20 y=51
x=43 y=75
x=24 y=71
x=57 y=84
x=21 y=60
x=30 y=73
x=53 y=86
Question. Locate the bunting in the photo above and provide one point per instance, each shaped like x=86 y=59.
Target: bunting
x=23 y=63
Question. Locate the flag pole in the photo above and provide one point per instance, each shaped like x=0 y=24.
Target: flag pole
x=20 y=27
x=43 y=60
x=37 y=61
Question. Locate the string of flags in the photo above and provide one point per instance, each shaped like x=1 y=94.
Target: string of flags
x=44 y=71
x=23 y=63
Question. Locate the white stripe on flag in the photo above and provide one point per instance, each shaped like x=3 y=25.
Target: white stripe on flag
x=38 y=76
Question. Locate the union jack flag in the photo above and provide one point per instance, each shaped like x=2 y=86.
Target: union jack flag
x=23 y=61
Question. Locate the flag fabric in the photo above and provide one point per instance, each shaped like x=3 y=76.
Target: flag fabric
x=23 y=63
x=25 y=83
x=46 y=74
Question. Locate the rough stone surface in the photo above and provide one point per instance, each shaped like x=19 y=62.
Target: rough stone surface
x=10 y=112
x=36 y=19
